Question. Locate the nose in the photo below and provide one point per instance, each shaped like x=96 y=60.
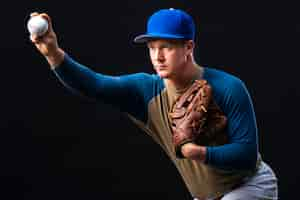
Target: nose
x=158 y=55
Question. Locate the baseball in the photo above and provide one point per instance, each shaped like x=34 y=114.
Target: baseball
x=37 y=25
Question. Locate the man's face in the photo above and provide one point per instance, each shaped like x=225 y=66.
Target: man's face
x=168 y=57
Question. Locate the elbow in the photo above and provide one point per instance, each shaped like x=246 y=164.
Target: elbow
x=252 y=162
x=247 y=158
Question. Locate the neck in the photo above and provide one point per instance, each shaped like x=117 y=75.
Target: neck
x=190 y=72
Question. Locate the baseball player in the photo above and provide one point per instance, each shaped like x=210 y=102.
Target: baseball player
x=203 y=118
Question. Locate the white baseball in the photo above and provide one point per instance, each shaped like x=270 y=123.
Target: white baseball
x=37 y=25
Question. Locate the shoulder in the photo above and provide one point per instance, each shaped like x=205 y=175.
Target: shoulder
x=217 y=76
x=226 y=87
x=224 y=81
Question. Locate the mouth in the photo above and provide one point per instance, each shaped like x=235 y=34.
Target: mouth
x=160 y=67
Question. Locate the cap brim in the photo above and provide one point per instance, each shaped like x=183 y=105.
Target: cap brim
x=147 y=37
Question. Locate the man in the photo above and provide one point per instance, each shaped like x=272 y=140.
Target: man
x=228 y=171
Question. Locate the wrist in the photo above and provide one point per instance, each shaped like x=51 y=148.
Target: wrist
x=194 y=152
x=56 y=58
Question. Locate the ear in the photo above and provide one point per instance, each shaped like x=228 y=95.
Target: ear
x=189 y=45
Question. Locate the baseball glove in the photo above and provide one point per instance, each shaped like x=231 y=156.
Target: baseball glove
x=196 y=118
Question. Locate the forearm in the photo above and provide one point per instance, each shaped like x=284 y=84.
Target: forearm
x=76 y=77
x=224 y=157
x=221 y=157
x=233 y=156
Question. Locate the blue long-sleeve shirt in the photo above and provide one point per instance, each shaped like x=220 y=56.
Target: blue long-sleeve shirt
x=146 y=98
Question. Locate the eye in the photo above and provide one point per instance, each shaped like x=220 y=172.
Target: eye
x=150 y=46
x=166 y=46
x=151 y=49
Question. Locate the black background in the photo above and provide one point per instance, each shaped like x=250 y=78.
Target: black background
x=55 y=145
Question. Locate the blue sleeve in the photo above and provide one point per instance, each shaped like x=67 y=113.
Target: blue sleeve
x=242 y=151
x=124 y=92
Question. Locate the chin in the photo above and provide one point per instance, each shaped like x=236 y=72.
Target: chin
x=163 y=74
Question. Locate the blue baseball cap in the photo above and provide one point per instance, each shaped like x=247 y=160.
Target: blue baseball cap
x=168 y=24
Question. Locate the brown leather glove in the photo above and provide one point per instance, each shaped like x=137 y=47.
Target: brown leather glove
x=196 y=118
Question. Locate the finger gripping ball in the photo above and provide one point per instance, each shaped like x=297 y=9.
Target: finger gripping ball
x=37 y=25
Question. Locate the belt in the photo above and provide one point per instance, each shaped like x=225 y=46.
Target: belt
x=219 y=198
